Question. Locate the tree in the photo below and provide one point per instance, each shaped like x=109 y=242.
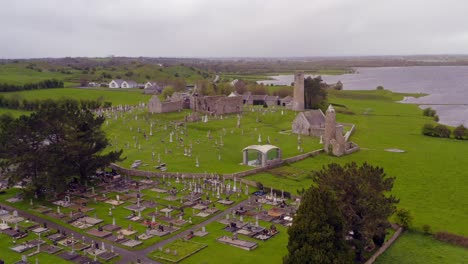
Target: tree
x=315 y=94
x=60 y=143
x=460 y=132
x=380 y=88
x=429 y=112
x=317 y=234
x=167 y=92
x=442 y=131
x=362 y=194
x=403 y=218
x=428 y=130
x=339 y=86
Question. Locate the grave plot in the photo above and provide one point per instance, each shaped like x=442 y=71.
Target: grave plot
x=234 y=241
x=177 y=251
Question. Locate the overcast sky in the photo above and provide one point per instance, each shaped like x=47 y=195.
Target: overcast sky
x=234 y=28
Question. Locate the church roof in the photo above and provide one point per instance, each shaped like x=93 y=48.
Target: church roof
x=314 y=117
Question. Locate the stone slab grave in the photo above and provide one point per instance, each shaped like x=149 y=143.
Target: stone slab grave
x=42 y=209
x=12 y=219
x=265 y=217
x=62 y=203
x=267 y=235
x=171 y=198
x=67 y=242
x=56 y=237
x=250 y=230
x=3 y=212
x=149 y=204
x=40 y=230
x=114 y=202
x=67 y=255
x=14 y=200
x=226 y=202
x=178 y=222
x=159 y=233
x=23 y=247
x=80 y=208
x=55 y=215
x=200 y=207
x=101 y=234
x=243 y=244
x=4 y=226
x=91 y=220
x=132 y=243
x=79 y=246
x=51 y=249
x=111 y=228
x=128 y=232
x=80 y=201
x=201 y=233
x=84 y=260
x=135 y=207
x=145 y=236
x=108 y=255
x=159 y=190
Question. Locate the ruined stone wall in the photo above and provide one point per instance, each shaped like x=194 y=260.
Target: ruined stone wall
x=156 y=106
x=218 y=105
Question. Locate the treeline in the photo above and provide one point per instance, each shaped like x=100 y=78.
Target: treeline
x=33 y=105
x=46 y=84
x=460 y=132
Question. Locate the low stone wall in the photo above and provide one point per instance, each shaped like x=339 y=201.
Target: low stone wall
x=385 y=246
x=240 y=174
x=303 y=156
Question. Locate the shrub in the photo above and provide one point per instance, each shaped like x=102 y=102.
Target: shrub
x=403 y=218
x=436 y=118
x=452 y=239
x=429 y=112
x=442 y=131
x=427 y=230
x=460 y=132
x=380 y=88
x=428 y=130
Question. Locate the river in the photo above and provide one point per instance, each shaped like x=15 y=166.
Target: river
x=447 y=86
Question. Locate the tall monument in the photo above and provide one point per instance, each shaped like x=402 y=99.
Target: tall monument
x=298 y=100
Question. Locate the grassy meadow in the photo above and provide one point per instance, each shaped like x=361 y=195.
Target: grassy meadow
x=212 y=156
x=116 y=96
x=22 y=73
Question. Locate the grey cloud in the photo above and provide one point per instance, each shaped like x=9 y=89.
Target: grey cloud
x=56 y=28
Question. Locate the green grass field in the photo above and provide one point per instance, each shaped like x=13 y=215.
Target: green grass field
x=430 y=176
x=415 y=248
x=116 y=96
x=18 y=73
x=124 y=134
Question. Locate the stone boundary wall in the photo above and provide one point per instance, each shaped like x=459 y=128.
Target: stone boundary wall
x=240 y=174
x=385 y=246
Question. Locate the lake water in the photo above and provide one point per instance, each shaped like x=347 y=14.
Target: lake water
x=447 y=86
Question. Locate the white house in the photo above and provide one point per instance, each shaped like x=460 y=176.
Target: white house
x=129 y=84
x=118 y=83
x=149 y=84
x=115 y=83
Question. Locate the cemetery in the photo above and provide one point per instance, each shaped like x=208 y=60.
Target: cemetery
x=190 y=205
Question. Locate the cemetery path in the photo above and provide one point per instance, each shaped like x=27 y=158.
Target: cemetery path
x=194 y=228
x=127 y=256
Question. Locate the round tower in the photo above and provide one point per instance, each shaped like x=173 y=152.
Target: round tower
x=298 y=100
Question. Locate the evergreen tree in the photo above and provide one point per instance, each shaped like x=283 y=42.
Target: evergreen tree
x=317 y=234
x=363 y=199
x=59 y=143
